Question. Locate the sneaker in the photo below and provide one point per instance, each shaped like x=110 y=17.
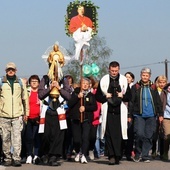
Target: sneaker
x=83 y=159
x=77 y=157
x=146 y=160
x=29 y=160
x=136 y=159
x=91 y=155
x=36 y=160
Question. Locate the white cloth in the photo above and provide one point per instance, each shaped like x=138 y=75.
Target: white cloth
x=42 y=117
x=81 y=39
x=62 y=123
x=104 y=85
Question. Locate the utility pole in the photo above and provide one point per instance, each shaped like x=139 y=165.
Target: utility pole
x=166 y=68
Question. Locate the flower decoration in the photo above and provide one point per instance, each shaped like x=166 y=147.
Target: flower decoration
x=91 y=12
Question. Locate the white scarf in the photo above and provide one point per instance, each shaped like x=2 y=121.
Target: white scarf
x=104 y=85
x=42 y=117
x=82 y=41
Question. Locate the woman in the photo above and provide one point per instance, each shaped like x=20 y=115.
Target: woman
x=32 y=136
x=166 y=123
x=128 y=144
x=82 y=105
x=161 y=82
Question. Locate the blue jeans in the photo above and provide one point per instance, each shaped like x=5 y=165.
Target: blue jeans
x=100 y=143
x=32 y=138
x=144 y=129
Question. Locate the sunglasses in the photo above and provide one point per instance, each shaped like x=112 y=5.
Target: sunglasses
x=10 y=69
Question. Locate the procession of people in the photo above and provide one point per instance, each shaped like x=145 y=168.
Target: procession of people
x=49 y=109
x=49 y=118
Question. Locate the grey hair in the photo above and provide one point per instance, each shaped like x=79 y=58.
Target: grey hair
x=87 y=79
x=146 y=70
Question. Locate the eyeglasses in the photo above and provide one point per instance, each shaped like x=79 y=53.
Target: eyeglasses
x=10 y=69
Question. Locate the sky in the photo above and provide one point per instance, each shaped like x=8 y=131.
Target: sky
x=138 y=32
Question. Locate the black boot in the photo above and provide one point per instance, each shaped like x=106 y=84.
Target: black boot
x=53 y=161
x=166 y=149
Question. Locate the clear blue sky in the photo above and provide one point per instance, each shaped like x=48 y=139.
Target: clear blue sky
x=138 y=32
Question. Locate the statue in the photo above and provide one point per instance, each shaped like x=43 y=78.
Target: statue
x=56 y=62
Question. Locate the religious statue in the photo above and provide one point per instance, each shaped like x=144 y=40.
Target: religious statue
x=56 y=62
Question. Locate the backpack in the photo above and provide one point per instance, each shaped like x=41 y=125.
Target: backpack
x=152 y=86
x=19 y=81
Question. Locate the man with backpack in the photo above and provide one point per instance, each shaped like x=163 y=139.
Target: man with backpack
x=13 y=105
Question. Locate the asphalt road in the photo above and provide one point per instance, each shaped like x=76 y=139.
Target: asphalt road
x=99 y=164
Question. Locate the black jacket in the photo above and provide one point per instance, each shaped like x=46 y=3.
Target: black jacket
x=74 y=104
x=135 y=105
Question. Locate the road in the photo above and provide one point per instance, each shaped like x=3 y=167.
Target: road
x=99 y=164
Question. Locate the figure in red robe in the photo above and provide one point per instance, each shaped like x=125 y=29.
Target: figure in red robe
x=80 y=21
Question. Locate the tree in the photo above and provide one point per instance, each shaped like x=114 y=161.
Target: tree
x=98 y=53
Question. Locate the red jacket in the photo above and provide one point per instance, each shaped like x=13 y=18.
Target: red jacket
x=97 y=112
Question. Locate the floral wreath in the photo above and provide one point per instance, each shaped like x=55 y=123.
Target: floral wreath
x=87 y=4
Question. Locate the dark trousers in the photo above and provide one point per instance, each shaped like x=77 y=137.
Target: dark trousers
x=158 y=137
x=1 y=151
x=23 y=140
x=68 y=140
x=81 y=134
x=113 y=135
x=53 y=137
x=144 y=129
x=32 y=137
x=127 y=145
x=93 y=136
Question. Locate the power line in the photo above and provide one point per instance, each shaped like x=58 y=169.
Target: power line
x=162 y=62
x=141 y=65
